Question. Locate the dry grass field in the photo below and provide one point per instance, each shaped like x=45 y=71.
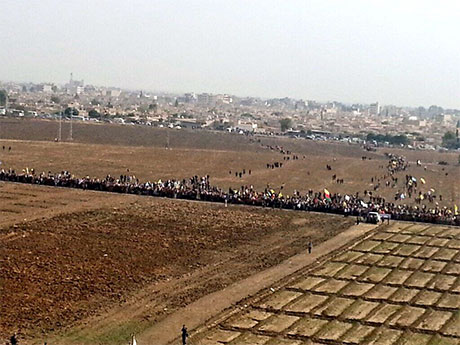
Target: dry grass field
x=401 y=285
x=99 y=150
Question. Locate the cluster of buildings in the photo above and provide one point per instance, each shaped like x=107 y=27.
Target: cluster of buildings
x=304 y=118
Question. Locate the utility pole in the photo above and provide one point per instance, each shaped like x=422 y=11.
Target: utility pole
x=71 y=128
x=60 y=127
x=167 y=139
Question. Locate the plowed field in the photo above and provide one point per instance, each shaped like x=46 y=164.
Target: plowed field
x=58 y=270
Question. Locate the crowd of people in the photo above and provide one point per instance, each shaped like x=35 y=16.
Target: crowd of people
x=200 y=188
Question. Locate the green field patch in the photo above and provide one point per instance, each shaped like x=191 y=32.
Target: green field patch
x=334 y=306
x=442 y=282
x=433 y=231
x=277 y=323
x=412 y=263
x=307 y=326
x=307 y=283
x=445 y=254
x=348 y=256
x=369 y=259
x=375 y=274
x=218 y=336
x=397 y=277
x=383 y=336
x=356 y=289
x=249 y=339
x=329 y=269
x=385 y=248
x=383 y=313
x=407 y=316
x=414 y=229
x=357 y=334
x=450 y=233
x=420 y=240
x=410 y=338
x=283 y=341
x=367 y=245
x=244 y=320
x=333 y=330
x=331 y=286
x=433 y=266
x=406 y=249
x=450 y=300
x=390 y=261
x=381 y=291
x=452 y=327
x=401 y=238
x=359 y=310
x=404 y=295
x=440 y=340
x=279 y=299
x=351 y=271
x=426 y=252
x=427 y=298
x=434 y=320
x=453 y=244
x=382 y=236
x=453 y=268
x=439 y=242
x=305 y=303
x=419 y=279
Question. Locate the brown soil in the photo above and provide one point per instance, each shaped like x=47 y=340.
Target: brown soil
x=98 y=150
x=58 y=271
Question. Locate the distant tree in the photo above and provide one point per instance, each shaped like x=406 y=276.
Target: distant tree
x=400 y=139
x=94 y=114
x=448 y=138
x=72 y=111
x=435 y=110
x=3 y=98
x=55 y=99
x=153 y=107
x=176 y=103
x=285 y=124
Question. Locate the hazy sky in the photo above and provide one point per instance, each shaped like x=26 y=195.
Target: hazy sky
x=397 y=52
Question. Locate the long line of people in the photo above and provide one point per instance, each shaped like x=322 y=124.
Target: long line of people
x=200 y=188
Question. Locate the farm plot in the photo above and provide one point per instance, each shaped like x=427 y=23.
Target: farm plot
x=400 y=286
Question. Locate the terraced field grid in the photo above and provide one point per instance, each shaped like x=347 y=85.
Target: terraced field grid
x=399 y=286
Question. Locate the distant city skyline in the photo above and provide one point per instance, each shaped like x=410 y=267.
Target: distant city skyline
x=181 y=93
x=402 y=53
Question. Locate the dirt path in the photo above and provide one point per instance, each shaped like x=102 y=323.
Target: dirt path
x=207 y=307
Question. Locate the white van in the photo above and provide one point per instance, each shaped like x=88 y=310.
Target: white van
x=373 y=217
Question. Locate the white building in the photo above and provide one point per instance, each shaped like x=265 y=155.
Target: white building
x=374 y=108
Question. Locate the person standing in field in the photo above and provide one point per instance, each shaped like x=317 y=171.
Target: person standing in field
x=310 y=247
x=184 y=335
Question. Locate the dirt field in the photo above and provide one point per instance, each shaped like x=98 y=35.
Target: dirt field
x=82 y=267
x=99 y=150
x=64 y=269
x=399 y=286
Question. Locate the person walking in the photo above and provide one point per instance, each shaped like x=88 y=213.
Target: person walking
x=310 y=247
x=184 y=335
